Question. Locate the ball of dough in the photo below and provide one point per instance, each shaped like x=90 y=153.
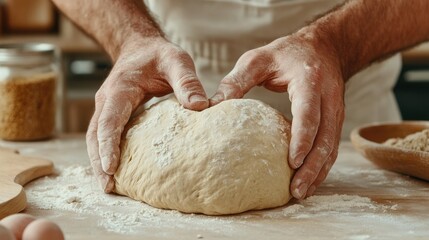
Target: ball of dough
x=227 y=159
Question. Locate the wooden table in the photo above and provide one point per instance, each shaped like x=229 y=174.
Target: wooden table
x=371 y=204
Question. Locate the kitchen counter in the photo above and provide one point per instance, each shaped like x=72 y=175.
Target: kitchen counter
x=357 y=201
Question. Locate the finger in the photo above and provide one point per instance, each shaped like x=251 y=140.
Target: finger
x=324 y=144
x=252 y=69
x=186 y=86
x=116 y=112
x=322 y=174
x=331 y=160
x=306 y=103
x=104 y=180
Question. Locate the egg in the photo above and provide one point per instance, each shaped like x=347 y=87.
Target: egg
x=5 y=234
x=42 y=229
x=17 y=223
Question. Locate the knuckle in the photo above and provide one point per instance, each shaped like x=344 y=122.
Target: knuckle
x=255 y=58
x=175 y=54
x=325 y=148
x=304 y=146
x=324 y=171
x=309 y=108
x=109 y=129
x=306 y=103
x=108 y=145
x=188 y=80
x=99 y=96
x=233 y=82
x=328 y=166
x=232 y=87
x=306 y=129
x=310 y=173
x=332 y=158
x=95 y=164
x=104 y=126
x=91 y=134
x=334 y=89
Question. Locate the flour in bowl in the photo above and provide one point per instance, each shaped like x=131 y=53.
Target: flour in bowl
x=418 y=141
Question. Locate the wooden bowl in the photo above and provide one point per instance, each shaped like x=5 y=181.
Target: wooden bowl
x=368 y=141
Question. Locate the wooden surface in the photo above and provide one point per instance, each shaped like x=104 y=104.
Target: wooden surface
x=398 y=206
x=15 y=171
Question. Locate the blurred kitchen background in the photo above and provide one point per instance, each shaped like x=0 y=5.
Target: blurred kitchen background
x=85 y=65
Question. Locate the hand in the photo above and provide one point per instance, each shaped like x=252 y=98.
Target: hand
x=143 y=70
x=308 y=69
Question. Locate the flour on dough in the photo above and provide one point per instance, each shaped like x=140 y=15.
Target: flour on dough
x=227 y=159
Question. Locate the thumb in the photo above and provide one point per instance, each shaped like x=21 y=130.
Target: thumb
x=251 y=70
x=186 y=86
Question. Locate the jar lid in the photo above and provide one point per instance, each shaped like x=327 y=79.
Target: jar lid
x=27 y=54
x=27 y=49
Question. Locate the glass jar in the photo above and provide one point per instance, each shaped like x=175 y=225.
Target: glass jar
x=30 y=91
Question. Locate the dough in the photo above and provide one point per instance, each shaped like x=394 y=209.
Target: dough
x=227 y=159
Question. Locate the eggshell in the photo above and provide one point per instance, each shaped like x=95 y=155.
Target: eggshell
x=42 y=229
x=17 y=223
x=6 y=234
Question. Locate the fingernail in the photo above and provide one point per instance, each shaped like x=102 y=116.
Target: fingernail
x=107 y=184
x=106 y=165
x=300 y=191
x=298 y=159
x=198 y=102
x=217 y=98
x=197 y=98
x=311 y=190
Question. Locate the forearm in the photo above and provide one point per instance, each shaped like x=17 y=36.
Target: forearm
x=112 y=23
x=364 y=31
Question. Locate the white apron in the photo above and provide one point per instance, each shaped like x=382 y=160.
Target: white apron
x=217 y=32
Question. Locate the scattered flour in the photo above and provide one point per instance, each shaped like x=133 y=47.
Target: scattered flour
x=369 y=177
x=327 y=205
x=75 y=189
x=418 y=141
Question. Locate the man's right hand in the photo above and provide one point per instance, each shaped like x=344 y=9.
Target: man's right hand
x=149 y=68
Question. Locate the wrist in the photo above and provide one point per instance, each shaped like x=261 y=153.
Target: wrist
x=132 y=41
x=325 y=45
x=137 y=42
x=131 y=24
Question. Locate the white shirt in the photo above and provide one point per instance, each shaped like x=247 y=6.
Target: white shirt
x=217 y=32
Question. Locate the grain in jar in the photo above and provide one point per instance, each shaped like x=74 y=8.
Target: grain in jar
x=29 y=91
